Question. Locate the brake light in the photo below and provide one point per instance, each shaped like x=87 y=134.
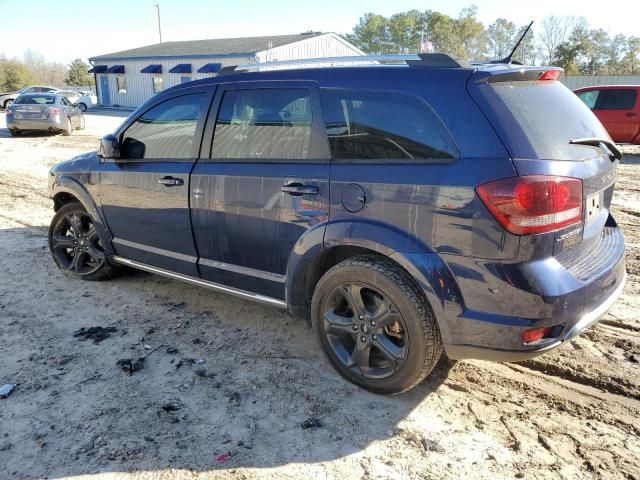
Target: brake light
x=550 y=75
x=533 y=204
x=9 y=111
x=55 y=111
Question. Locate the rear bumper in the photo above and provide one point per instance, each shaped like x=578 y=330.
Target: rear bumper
x=57 y=122
x=459 y=352
x=560 y=293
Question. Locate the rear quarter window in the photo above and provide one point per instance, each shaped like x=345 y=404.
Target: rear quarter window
x=364 y=126
x=536 y=119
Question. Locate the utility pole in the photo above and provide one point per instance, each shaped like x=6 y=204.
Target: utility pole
x=159 y=27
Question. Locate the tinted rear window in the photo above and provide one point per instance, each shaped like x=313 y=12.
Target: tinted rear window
x=383 y=125
x=537 y=120
x=36 y=100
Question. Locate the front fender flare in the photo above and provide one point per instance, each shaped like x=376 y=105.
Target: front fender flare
x=71 y=186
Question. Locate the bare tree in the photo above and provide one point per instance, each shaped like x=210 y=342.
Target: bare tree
x=553 y=32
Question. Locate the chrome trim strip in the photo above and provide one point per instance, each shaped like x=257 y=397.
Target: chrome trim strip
x=155 y=250
x=594 y=315
x=252 y=272
x=274 y=302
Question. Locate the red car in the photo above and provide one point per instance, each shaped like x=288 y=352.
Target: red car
x=617 y=107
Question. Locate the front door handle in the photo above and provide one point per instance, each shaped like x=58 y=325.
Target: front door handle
x=171 y=181
x=298 y=189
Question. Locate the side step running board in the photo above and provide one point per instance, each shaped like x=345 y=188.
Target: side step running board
x=274 y=302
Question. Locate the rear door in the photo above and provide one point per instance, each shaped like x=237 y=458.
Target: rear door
x=617 y=109
x=145 y=194
x=264 y=185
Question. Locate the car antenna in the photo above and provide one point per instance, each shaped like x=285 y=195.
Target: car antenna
x=507 y=59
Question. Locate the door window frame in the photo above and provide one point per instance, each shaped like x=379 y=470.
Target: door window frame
x=208 y=92
x=318 y=146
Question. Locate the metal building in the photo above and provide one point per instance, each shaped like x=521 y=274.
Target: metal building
x=130 y=77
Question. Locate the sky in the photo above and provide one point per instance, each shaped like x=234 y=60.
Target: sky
x=62 y=30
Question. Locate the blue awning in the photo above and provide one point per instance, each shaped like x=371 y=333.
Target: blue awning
x=152 y=69
x=115 y=69
x=98 y=69
x=210 y=68
x=181 y=68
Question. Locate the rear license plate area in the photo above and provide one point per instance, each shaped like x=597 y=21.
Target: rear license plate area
x=593 y=206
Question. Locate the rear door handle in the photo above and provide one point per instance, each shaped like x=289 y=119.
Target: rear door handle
x=630 y=114
x=298 y=189
x=171 y=181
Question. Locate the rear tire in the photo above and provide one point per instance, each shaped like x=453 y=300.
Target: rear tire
x=82 y=123
x=76 y=246
x=82 y=106
x=374 y=325
x=7 y=104
x=15 y=133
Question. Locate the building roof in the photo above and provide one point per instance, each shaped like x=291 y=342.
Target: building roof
x=216 y=46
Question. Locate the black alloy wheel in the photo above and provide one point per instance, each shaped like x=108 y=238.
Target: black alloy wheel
x=365 y=330
x=75 y=244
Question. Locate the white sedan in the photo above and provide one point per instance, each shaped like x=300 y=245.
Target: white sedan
x=87 y=100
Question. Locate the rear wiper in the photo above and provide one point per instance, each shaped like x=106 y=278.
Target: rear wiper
x=614 y=153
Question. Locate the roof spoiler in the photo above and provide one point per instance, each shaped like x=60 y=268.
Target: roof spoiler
x=517 y=74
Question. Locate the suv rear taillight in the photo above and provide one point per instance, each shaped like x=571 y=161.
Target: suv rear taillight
x=533 y=204
x=8 y=111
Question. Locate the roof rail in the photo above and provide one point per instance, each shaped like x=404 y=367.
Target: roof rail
x=432 y=60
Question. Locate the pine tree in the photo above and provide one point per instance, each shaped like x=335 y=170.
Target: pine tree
x=77 y=75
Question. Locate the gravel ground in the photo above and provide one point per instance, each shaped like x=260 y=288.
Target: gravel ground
x=226 y=384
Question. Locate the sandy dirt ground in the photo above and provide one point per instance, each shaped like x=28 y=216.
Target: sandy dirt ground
x=226 y=383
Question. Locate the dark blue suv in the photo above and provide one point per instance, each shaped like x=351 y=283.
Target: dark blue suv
x=403 y=209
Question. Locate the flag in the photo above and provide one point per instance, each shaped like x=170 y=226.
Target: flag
x=426 y=46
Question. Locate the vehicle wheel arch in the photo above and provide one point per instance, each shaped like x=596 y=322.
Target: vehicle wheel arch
x=66 y=190
x=424 y=266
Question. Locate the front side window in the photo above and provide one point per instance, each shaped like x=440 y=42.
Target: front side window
x=157 y=84
x=263 y=124
x=589 y=98
x=166 y=131
x=383 y=125
x=617 y=99
x=122 y=85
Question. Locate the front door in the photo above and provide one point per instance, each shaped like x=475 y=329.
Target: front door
x=145 y=194
x=616 y=109
x=264 y=186
x=105 y=94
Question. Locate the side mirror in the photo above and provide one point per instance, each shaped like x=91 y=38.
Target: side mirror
x=109 y=146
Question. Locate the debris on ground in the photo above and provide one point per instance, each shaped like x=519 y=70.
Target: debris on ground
x=97 y=334
x=186 y=361
x=6 y=389
x=311 y=422
x=226 y=456
x=131 y=365
x=171 y=406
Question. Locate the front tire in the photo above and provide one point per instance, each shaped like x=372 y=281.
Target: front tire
x=374 y=325
x=69 y=130
x=76 y=246
x=82 y=123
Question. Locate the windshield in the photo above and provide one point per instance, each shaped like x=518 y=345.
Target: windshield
x=537 y=119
